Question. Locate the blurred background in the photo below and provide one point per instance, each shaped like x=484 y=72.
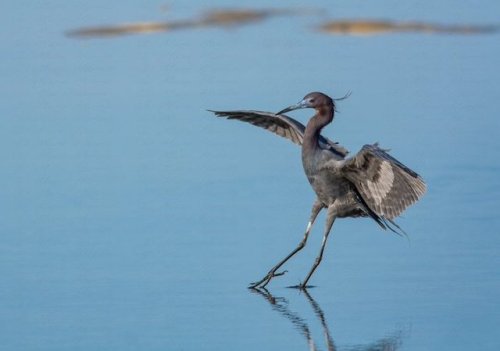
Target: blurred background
x=131 y=218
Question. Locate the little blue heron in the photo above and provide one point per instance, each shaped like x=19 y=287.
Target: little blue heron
x=370 y=184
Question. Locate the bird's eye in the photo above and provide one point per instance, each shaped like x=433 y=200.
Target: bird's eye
x=311 y=101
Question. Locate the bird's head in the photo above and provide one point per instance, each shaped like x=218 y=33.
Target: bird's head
x=315 y=100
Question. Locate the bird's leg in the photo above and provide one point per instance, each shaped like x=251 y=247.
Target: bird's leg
x=330 y=218
x=317 y=207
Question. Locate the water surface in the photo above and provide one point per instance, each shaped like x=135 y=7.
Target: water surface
x=131 y=218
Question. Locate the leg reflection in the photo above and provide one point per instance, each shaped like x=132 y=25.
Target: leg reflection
x=392 y=342
x=319 y=313
x=281 y=305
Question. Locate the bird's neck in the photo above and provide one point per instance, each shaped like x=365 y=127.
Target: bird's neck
x=322 y=118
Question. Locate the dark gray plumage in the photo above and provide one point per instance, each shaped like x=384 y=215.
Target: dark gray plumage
x=370 y=184
x=281 y=125
x=386 y=185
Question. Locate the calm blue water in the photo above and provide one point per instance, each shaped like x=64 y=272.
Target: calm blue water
x=132 y=219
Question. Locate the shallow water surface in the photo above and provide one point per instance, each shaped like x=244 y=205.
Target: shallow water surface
x=131 y=218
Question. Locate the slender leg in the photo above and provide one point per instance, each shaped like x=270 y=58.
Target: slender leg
x=317 y=207
x=330 y=218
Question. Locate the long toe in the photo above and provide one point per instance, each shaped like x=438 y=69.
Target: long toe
x=253 y=285
x=302 y=286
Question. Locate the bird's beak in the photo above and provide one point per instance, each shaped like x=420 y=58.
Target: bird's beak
x=300 y=105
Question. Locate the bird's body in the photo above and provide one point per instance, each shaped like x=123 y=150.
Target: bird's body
x=331 y=188
x=370 y=184
x=328 y=183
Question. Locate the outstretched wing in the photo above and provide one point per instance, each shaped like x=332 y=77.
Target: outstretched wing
x=386 y=185
x=281 y=125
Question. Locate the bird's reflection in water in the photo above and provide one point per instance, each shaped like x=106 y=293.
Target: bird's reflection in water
x=280 y=304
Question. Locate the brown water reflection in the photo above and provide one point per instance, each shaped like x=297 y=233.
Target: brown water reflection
x=129 y=28
x=239 y=17
x=212 y=18
x=376 y=27
x=391 y=342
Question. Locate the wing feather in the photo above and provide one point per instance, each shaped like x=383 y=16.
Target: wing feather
x=281 y=125
x=387 y=186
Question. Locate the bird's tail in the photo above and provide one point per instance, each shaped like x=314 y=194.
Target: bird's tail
x=383 y=222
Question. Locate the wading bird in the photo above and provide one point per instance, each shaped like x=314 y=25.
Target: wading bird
x=370 y=184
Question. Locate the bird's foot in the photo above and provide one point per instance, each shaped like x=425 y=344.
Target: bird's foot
x=300 y=286
x=264 y=281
